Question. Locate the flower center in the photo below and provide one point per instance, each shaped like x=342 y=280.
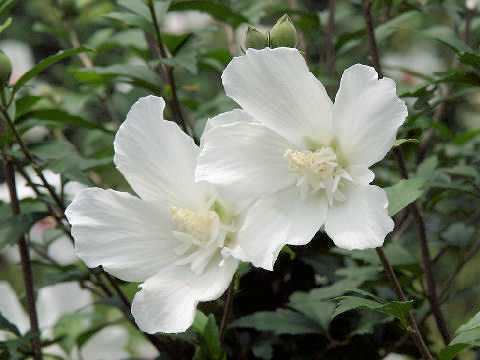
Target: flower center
x=317 y=170
x=194 y=225
x=200 y=236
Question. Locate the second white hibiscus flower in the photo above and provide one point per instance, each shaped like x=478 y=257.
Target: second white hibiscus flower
x=175 y=237
x=305 y=158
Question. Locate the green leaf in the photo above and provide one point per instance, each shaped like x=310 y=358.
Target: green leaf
x=136 y=6
x=199 y=322
x=132 y=20
x=458 y=234
x=5 y=25
x=218 y=11
x=74 y=274
x=185 y=58
x=404 y=193
x=13 y=228
x=466 y=335
x=403 y=141
x=5 y=324
x=5 y=6
x=140 y=75
x=280 y=322
x=427 y=168
x=470 y=325
x=454 y=43
x=42 y=65
x=397 y=255
x=470 y=58
x=25 y=103
x=70 y=326
x=62 y=117
x=397 y=309
x=212 y=339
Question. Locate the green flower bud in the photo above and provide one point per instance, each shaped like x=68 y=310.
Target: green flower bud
x=283 y=33
x=255 y=38
x=5 y=68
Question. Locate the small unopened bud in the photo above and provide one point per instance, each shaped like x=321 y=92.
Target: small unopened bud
x=283 y=33
x=5 y=68
x=256 y=38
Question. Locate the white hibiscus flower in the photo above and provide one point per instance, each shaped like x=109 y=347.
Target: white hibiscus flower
x=304 y=157
x=175 y=237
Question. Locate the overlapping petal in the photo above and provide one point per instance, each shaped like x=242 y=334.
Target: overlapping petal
x=362 y=221
x=277 y=220
x=227 y=118
x=131 y=238
x=157 y=159
x=167 y=301
x=367 y=114
x=276 y=88
x=245 y=160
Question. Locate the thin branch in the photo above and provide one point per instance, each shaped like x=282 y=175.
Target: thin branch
x=374 y=57
x=166 y=72
x=430 y=277
x=26 y=263
x=415 y=332
x=412 y=208
x=469 y=256
x=226 y=309
x=330 y=48
x=468 y=24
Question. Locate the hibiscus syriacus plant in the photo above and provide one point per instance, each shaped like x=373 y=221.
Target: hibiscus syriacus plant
x=174 y=238
x=305 y=159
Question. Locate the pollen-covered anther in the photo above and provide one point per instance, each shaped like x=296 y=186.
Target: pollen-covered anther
x=317 y=170
x=198 y=226
x=198 y=236
x=322 y=162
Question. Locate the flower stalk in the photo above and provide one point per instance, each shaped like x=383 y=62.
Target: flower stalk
x=226 y=309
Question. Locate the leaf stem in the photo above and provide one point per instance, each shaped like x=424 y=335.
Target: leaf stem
x=226 y=309
x=413 y=208
x=415 y=332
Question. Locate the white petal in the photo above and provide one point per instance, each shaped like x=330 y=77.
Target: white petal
x=245 y=161
x=156 y=157
x=360 y=174
x=168 y=300
x=362 y=221
x=226 y=118
x=11 y=308
x=276 y=87
x=472 y=4
x=107 y=344
x=57 y=300
x=130 y=237
x=279 y=219
x=367 y=114
x=62 y=251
